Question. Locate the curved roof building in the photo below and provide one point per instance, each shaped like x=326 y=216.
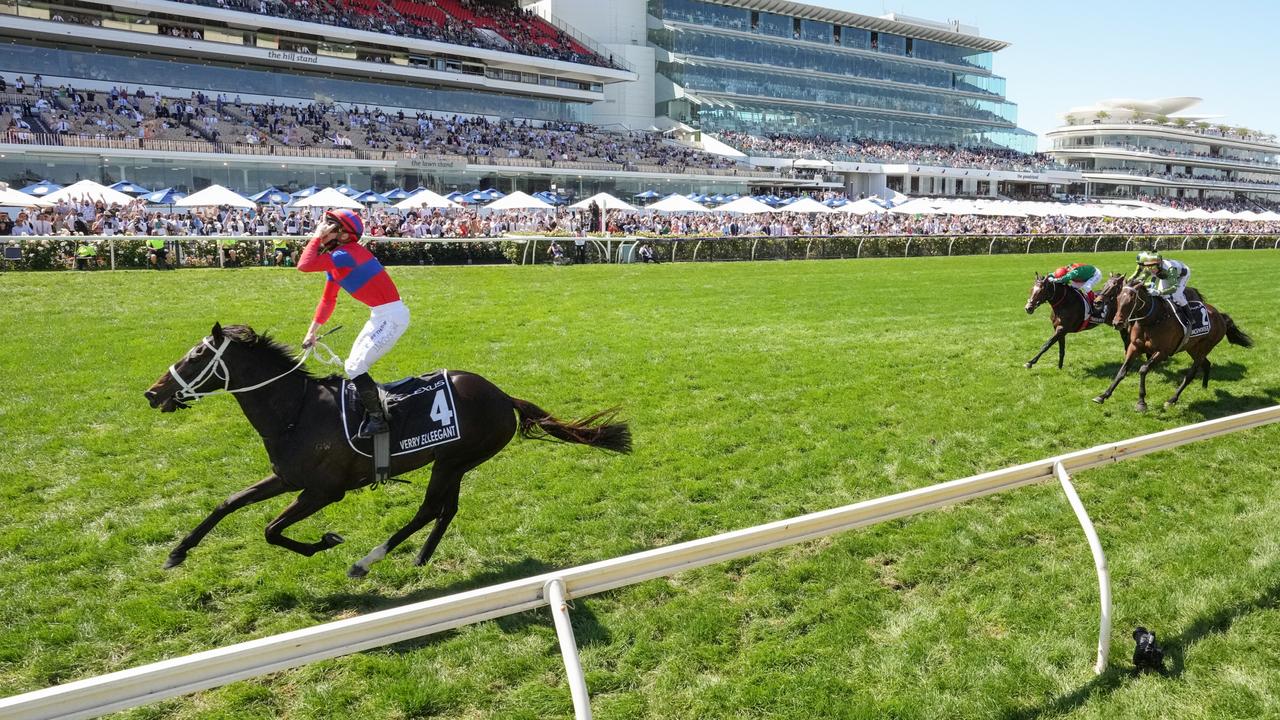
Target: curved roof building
x=1130 y=148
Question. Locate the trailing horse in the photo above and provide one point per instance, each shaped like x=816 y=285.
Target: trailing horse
x=300 y=419
x=1070 y=311
x=1155 y=331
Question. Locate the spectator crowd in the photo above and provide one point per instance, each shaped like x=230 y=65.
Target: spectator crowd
x=90 y=218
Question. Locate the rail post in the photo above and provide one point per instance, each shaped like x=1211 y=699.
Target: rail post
x=553 y=591
x=1099 y=564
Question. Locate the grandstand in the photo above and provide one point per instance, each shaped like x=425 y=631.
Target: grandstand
x=456 y=94
x=1162 y=150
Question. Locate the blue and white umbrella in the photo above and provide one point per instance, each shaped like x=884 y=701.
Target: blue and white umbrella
x=647 y=195
x=455 y=196
x=493 y=194
x=696 y=197
x=271 y=196
x=397 y=194
x=347 y=190
x=129 y=188
x=167 y=196
x=475 y=197
x=42 y=188
x=305 y=192
x=371 y=197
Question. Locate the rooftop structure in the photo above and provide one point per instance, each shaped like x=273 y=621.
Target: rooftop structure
x=1162 y=148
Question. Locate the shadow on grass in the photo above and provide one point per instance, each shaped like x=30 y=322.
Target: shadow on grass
x=586 y=628
x=1224 y=403
x=1175 y=652
x=1222 y=372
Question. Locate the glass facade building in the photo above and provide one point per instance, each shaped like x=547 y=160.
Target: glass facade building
x=761 y=72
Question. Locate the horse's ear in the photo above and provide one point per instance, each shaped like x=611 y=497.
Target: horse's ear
x=216 y=332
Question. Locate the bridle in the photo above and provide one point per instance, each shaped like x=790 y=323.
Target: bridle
x=1053 y=299
x=217 y=368
x=1149 y=304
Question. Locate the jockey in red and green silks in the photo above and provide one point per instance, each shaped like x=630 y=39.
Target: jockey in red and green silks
x=1080 y=276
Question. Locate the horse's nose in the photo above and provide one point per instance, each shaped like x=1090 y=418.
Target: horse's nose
x=152 y=397
x=1030 y=309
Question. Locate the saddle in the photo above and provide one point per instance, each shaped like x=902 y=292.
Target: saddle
x=420 y=409
x=1195 y=322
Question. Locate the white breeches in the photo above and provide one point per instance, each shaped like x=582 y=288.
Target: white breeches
x=1087 y=285
x=385 y=326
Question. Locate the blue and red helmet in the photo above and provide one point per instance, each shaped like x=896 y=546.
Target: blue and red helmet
x=349 y=220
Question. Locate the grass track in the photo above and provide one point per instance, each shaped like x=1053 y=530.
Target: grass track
x=756 y=391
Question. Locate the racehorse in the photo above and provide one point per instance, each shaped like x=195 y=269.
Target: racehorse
x=1070 y=312
x=298 y=416
x=1154 y=330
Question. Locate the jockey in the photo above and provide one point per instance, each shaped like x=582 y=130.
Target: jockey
x=1165 y=278
x=1080 y=276
x=349 y=265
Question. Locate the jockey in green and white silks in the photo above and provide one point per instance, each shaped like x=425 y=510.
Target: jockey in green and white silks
x=1080 y=276
x=1166 y=278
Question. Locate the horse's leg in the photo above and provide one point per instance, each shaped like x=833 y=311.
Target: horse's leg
x=1187 y=379
x=1206 y=364
x=265 y=489
x=1062 y=349
x=1048 y=344
x=1131 y=352
x=1152 y=360
x=304 y=506
x=440 y=504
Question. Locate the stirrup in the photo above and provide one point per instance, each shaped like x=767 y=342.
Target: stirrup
x=373 y=425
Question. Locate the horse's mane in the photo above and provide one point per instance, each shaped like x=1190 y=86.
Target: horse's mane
x=280 y=352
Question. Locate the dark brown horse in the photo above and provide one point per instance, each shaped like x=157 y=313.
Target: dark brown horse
x=297 y=415
x=1069 y=311
x=1154 y=331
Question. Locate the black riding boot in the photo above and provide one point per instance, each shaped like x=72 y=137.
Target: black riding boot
x=377 y=421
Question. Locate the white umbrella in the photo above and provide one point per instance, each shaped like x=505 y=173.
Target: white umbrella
x=16 y=198
x=425 y=199
x=676 y=203
x=806 y=205
x=605 y=200
x=329 y=198
x=865 y=206
x=215 y=196
x=89 y=190
x=518 y=201
x=747 y=205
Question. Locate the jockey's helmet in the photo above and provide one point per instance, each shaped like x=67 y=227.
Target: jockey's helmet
x=348 y=220
x=1149 y=259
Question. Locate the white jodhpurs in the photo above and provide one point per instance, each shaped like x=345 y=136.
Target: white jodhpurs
x=386 y=324
x=1086 y=286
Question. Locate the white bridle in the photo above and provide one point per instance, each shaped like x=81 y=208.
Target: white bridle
x=217 y=368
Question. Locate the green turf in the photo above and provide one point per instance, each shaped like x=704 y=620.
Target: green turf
x=756 y=392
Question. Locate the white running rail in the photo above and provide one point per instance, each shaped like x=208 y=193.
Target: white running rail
x=96 y=696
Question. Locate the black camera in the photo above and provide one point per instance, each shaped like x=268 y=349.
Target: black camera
x=1147 y=655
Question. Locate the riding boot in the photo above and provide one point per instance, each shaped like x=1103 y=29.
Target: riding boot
x=376 y=422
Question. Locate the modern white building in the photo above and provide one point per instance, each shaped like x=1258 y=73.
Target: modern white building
x=1163 y=148
x=761 y=67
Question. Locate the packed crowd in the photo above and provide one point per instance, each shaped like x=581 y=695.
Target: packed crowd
x=866 y=150
x=473 y=23
x=89 y=218
x=1187 y=176
x=123 y=113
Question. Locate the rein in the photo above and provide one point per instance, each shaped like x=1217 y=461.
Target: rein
x=217 y=368
x=1150 y=304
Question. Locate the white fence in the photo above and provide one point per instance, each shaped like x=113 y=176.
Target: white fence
x=149 y=683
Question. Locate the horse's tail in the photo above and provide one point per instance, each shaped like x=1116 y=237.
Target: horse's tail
x=1235 y=335
x=598 y=430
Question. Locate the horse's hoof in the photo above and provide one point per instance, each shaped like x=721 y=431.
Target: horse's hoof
x=175 y=559
x=1099 y=399
x=355 y=572
x=331 y=539
x=1170 y=403
x=1140 y=407
x=1028 y=365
